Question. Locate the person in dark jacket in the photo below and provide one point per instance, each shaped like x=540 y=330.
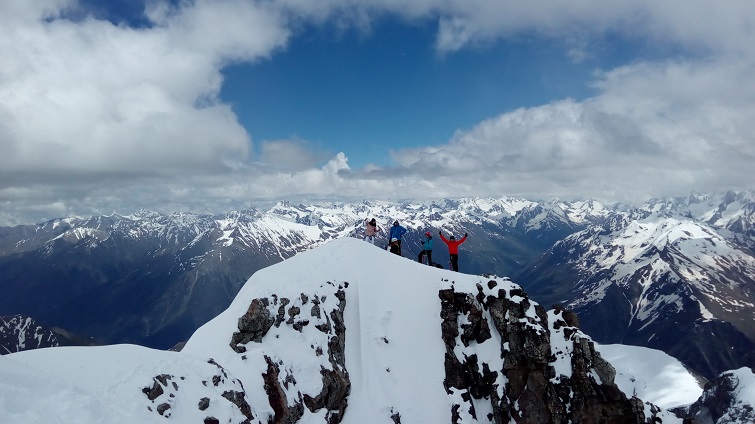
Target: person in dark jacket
x=453 y=249
x=427 y=249
x=395 y=233
x=394 y=247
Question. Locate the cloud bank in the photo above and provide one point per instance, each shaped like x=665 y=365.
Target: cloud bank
x=96 y=116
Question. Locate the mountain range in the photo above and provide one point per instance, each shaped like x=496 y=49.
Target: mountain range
x=670 y=268
x=633 y=274
x=320 y=338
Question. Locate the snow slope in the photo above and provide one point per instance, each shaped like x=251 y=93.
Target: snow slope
x=394 y=352
x=652 y=375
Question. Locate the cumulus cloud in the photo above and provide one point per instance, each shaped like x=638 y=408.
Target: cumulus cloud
x=92 y=97
x=291 y=155
x=96 y=117
x=653 y=129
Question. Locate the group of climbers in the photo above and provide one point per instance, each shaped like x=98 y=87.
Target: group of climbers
x=397 y=231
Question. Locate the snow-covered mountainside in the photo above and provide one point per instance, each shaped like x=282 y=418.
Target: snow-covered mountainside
x=729 y=398
x=550 y=222
x=19 y=333
x=732 y=211
x=656 y=278
x=322 y=338
x=152 y=279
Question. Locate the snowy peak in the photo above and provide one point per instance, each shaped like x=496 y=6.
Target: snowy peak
x=687 y=252
x=349 y=333
x=585 y=212
x=653 y=277
x=554 y=220
x=731 y=210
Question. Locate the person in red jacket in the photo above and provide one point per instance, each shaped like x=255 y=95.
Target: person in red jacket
x=453 y=248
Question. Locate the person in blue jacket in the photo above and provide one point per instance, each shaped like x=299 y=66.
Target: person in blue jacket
x=427 y=249
x=396 y=232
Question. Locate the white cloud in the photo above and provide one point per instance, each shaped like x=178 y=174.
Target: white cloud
x=291 y=155
x=92 y=97
x=653 y=129
x=96 y=117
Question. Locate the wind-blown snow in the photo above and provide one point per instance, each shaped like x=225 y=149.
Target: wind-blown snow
x=651 y=375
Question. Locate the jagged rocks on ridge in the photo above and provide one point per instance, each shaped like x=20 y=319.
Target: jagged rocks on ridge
x=507 y=360
x=727 y=399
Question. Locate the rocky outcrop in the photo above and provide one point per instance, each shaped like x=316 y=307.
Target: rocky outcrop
x=253 y=325
x=722 y=401
x=319 y=315
x=227 y=392
x=547 y=371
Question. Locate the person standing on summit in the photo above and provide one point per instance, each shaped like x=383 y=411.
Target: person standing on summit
x=395 y=233
x=453 y=249
x=427 y=249
x=370 y=230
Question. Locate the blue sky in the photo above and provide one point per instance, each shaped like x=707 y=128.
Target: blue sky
x=391 y=89
x=213 y=105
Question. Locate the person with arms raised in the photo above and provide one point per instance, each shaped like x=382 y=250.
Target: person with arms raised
x=427 y=249
x=370 y=230
x=453 y=248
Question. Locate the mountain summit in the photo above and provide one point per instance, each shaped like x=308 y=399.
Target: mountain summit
x=637 y=273
x=344 y=333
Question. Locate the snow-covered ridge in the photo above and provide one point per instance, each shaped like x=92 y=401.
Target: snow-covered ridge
x=688 y=249
x=394 y=351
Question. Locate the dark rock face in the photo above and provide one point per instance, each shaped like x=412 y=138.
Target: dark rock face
x=531 y=383
x=719 y=404
x=18 y=333
x=276 y=394
x=252 y=325
x=306 y=313
x=165 y=390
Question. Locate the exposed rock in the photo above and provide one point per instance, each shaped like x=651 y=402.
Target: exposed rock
x=719 y=404
x=333 y=397
x=156 y=390
x=253 y=325
x=239 y=399
x=531 y=392
x=284 y=413
x=166 y=391
x=163 y=408
x=279 y=382
x=178 y=347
